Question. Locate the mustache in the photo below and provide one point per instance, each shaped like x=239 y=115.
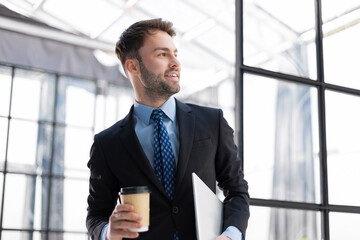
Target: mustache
x=173 y=70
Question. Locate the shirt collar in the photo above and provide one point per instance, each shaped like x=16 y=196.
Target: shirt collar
x=144 y=112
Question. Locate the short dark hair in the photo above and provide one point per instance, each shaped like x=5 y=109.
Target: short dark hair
x=132 y=39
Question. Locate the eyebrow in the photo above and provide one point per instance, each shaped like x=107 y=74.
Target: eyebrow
x=164 y=49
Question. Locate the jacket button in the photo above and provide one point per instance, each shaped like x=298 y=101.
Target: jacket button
x=175 y=210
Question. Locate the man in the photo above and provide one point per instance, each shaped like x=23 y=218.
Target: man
x=129 y=153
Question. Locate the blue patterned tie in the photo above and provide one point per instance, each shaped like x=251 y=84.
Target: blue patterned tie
x=164 y=160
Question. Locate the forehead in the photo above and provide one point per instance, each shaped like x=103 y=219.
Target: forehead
x=158 y=39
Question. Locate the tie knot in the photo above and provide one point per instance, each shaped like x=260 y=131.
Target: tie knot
x=157 y=115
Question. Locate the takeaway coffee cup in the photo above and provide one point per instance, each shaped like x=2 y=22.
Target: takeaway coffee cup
x=139 y=197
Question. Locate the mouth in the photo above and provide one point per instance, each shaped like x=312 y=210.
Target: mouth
x=172 y=75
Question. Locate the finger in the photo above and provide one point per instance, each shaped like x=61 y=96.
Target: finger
x=124 y=212
x=129 y=216
x=124 y=233
x=125 y=225
x=124 y=208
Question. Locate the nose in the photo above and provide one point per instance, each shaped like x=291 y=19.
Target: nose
x=174 y=62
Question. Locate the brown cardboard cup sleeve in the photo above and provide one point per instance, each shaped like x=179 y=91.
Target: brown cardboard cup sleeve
x=139 y=197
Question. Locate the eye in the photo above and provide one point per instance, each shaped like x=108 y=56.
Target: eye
x=162 y=54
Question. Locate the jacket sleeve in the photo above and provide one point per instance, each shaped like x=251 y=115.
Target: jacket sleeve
x=102 y=191
x=230 y=178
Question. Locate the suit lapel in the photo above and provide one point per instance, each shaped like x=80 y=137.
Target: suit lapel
x=130 y=141
x=186 y=122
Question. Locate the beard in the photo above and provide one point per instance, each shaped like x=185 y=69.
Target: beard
x=155 y=84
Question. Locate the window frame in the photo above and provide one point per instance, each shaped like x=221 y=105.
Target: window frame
x=241 y=69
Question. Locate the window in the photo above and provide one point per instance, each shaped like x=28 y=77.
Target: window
x=299 y=95
x=43 y=173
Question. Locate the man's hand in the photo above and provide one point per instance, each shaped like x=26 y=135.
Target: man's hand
x=222 y=237
x=121 y=219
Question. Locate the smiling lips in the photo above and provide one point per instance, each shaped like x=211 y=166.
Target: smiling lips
x=172 y=75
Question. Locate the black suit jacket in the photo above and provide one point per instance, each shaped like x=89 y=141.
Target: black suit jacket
x=206 y=148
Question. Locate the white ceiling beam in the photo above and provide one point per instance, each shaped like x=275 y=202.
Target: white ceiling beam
x=56 y=35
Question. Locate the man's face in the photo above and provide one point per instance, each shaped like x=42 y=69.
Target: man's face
x=159 y=67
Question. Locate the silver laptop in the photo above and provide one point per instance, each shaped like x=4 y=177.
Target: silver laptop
x=208 y=210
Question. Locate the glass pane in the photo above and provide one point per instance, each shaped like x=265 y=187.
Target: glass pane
x=279 y=36
x=56 y=236
x=23 y=235
x=33 y=95
x=332 y=10
x=23 y=137
x=344 y=226
x=280 y=140
x=341 y=57
x=226 y=96
x=76 y=102
x=343 y=156
x=75 y=236
x=125 y=101
x=111 y=108
x=5 y=89
x=68 y=236
x=16 y=235
x=100 y=113
x=3 y=136
x=118 y=103
x=75 y=195
x=37 y=236
x=29 y=147
x=283 y=224
x=72 y=201
x=25 y=202
x=72 y=151
x=340 y=43
x=41 y=203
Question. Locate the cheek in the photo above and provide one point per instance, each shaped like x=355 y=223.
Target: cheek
x=156 y=65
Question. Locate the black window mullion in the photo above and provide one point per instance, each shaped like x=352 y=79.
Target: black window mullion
x=322 y=122
x=323 y=164
x=239 y=80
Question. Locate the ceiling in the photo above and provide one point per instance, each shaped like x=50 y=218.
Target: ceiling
x=200 y=25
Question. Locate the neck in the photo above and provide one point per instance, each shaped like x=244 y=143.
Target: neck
x=154 y=102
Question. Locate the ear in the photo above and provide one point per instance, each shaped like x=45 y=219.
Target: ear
x=132 y=66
